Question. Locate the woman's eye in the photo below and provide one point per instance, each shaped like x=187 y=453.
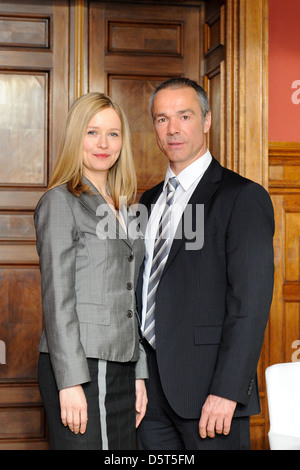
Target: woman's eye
x=91 y=132
x=114 y=134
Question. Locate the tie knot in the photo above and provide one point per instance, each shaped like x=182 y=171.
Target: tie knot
x=172 y=184
x=171 y=188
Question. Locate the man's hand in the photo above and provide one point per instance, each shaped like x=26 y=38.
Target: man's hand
x=73 y=408
x=140 y=401
x=216 y=416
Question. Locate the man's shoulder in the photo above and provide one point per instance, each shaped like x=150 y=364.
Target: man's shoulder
x=232 y=179
x=236 y=187
x=150 y=194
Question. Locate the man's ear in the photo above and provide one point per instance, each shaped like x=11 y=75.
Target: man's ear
x=207 y=122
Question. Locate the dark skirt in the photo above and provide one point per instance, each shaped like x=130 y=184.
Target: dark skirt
x=111 y=407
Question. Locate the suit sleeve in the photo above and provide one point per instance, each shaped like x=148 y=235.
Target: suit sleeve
x=250 y=273
x=56 y=246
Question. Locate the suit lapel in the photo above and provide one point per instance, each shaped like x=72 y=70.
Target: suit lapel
x=147 y=201
x=206 y=188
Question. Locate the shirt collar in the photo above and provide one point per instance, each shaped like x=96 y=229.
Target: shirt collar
x=191 y=173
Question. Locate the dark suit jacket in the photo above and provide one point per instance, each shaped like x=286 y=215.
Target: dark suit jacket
x=212 y=304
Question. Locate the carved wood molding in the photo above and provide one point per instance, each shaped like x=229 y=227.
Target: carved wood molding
x=78 y=49
x=284 y=167
x=246 y=89
x=284 y=152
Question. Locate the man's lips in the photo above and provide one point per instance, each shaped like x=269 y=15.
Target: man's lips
x=175 y=144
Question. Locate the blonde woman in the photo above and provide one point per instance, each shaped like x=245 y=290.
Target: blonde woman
x=92 y=365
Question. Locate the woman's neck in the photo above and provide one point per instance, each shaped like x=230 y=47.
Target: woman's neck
x=99 y=181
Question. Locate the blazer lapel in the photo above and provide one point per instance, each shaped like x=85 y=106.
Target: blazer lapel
x=96 y=204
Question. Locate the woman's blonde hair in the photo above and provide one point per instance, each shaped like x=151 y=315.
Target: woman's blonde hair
x=69 y=166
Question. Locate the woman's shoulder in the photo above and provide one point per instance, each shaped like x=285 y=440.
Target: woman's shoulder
x=59 y=195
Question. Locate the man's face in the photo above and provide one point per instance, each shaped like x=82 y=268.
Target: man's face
x=180 y=132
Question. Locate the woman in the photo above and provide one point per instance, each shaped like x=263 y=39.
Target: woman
x=91 y=364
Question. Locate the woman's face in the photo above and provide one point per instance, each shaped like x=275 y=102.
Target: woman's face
x=102 y=142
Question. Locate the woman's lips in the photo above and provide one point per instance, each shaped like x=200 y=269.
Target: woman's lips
x=101 y=155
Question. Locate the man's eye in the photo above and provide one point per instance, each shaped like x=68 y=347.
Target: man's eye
x=185 y=117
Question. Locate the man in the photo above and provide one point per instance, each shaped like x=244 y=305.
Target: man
x=205 y=318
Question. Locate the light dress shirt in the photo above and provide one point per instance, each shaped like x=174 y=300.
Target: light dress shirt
x=188 y=179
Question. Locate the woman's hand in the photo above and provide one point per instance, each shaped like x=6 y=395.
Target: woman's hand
x=73 y=408
x=140 y=401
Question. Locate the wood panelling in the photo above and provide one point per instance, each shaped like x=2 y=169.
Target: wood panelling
x=284 y=172
x=284 y=167
x=16 y=226
x=126 y=48
x=150 y=163
x=245 y=134
x=20 y=30
x=147 y=37
x=284 y=323
x=20 y=320
x=244 y=121
x=24 y=128
x=214 y=49
x=34 y=65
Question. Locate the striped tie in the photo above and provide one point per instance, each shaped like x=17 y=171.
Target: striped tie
x=160 y=255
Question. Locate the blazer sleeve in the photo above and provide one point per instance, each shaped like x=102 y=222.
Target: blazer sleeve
x=250 y=273
x=141 y=368
x=56 y=246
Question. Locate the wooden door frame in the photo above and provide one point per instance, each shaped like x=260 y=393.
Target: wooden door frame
x=246 y=89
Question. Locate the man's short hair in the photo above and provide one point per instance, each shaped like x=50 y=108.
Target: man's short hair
x=182 y=82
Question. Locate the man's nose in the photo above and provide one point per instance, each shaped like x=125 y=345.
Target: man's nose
x=173 y=127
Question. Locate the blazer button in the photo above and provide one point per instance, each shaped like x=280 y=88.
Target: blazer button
x=130 y=257
x=129 y=286
x=129 y=314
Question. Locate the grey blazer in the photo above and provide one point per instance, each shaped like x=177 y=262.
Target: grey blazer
x=89 y=269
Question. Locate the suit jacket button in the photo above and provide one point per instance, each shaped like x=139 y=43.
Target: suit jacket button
x=130 y=257
x=250 y=386
x=129 y=286
x=129 y=314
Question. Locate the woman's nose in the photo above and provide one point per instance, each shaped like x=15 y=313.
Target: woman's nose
x=102 y=141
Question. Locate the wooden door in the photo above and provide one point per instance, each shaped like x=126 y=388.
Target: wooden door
x=33 y=104
x=143 y=44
